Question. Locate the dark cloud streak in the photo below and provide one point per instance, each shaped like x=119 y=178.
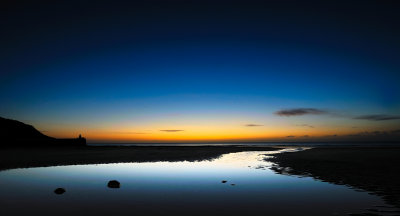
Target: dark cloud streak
x=129 y=132
x=377 y=117
x=171 y=131
x=299 y=112
x=305 y=125
x=253 y=125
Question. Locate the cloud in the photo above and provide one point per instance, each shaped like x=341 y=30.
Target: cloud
x=377 y=117
x=171 y=131
x=253 y=125
x=299 y=111
x=129 y=132
x=291 y=136
x=395 y=131
x=314 y=111
x=305 y=125
x=374 y=133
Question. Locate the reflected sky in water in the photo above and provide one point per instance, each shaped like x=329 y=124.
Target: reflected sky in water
x=163 y=188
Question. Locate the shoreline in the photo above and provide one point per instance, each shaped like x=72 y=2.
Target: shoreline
x=251 y=144
x=372 y=169
x=13 y=158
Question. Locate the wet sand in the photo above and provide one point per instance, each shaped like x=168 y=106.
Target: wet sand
x=373 y=169
x=43 y=157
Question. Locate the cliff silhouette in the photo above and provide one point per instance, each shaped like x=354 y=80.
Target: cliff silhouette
x=17 y=134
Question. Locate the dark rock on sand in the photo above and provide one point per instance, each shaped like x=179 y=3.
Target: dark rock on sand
x=113 y=184
x=224 y=181
x=233 y=184
x=59 y=191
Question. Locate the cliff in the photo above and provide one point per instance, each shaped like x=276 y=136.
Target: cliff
x=17 y=134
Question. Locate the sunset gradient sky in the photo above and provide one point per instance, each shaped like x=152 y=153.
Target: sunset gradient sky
x=203 y=71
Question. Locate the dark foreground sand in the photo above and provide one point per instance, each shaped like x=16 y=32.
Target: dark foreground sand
x=42 y=157
x=373 y=169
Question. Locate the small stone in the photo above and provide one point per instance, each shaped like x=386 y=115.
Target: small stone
x=59 y=191
x=113 y=184
x=224 y=181
x=233 y=184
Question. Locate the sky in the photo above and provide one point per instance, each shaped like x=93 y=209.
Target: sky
x=203 y=71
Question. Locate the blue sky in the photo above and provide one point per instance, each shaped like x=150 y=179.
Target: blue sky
x=71 y=66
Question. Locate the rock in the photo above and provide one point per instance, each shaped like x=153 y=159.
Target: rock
x=233 y=184
x=113 y=184
x=224 y=181
x=59 y=191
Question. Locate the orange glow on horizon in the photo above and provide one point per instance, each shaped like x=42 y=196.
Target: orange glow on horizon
x=202 y=133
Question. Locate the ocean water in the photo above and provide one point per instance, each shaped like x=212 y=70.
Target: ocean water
x=177 y=188
x=256 y=144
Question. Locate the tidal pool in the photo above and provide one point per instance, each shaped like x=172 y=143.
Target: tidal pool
x=177 y=188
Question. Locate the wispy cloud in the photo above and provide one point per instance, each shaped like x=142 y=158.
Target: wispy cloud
x=300 y=111
x=305 y=125
x=253 y=125
x=172 y=131
x=377 y=117
x=290 y=136
x=396 y=131
x=129 y=132
x=315 y=111
x=377 y=133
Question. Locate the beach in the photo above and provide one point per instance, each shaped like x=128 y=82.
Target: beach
x=43 y=157
x=364 y=180
x=373 y=169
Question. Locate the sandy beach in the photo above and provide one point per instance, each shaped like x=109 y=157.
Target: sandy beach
x=373 y=169
x=43 y=157
x=370 y=169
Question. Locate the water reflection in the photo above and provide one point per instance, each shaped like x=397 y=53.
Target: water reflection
x=179 y=188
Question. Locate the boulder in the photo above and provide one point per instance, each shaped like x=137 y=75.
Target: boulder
x=59 y=191
x=113 y=184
